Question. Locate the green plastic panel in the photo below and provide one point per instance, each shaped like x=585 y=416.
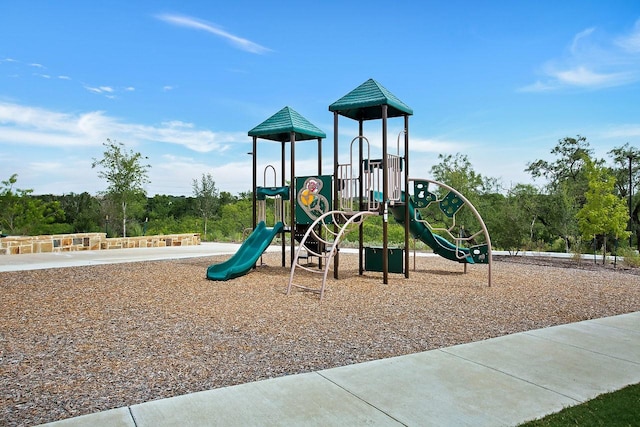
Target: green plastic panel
x=313 y=197
x=373 y=259
x=451 y=204
x=480 y=253
x=263 y=192
x=421 y=194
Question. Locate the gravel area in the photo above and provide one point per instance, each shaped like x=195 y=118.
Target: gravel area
x=80 y=340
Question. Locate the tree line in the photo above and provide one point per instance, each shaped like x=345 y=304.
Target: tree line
x=580 y=202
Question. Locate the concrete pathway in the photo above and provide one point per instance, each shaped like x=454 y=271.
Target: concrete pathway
x=113 y=256
x=498 y=382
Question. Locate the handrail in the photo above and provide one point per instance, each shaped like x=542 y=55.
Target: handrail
x=275 y=176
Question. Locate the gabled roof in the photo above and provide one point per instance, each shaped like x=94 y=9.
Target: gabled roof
x=279 y=127
x=365 y=102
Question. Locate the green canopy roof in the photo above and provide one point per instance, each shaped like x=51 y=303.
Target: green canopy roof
x=279 y=127
x=365 y=103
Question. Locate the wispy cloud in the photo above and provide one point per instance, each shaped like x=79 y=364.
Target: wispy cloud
x=593 y=61
x=622 y=131
x=429 y=145
x=197 y=24
x=100 y=89
x=630 y=42
x=107 y=91
x=582 y=76
x=46 y=128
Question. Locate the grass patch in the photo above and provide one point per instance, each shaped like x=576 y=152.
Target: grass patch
x=619 y=408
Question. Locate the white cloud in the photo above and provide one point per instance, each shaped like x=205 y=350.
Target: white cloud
x=175 y=174
x=178 y=124
x=167 y=88
x=36 y=126
x=40 y=127
x=593 y=61
x=436 y=146
x=64 y=77
x=631 y=42
x=194 y=23
x=622 y=131
x=99 y=89
x=64 y=143
x=93 y=89
x=582 y=76
x=575 y=45
x=538 y=86
x=36 y=65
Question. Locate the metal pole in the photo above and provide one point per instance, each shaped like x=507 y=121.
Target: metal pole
x=630 y=157
x=283 y=244
x=406 y=199
x=361 y=206
x=320 y=245
x=385 y=199
x=291 y=194
x=319 y=156
x=336 y=185
x=254 y=154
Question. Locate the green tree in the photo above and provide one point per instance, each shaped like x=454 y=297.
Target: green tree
x=207 y=201
x=626 y=170
x=571 y=155
x=603 y=213
x=234 y=218
x=21 y=213
x=457 y=172
x=82 y=212
x=126 y=175
x=566 y=186
x=517 y=217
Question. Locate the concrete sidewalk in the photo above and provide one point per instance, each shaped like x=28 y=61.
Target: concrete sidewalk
x=498 y=382
x=113 y=256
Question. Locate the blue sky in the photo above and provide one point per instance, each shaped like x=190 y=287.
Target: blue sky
x=183 y=82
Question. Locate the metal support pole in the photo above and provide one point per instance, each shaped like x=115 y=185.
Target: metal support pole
x=385 y=199
x=630 y=157
x=361 y=196
x=254 y=154
x=406 y=198
x=292 y=194
x=336 y=184
x=320 y=246
x=282 y=182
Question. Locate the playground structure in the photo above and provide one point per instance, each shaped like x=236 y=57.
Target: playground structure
x=322 y=209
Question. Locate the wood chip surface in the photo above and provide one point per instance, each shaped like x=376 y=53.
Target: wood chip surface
x=79 y=340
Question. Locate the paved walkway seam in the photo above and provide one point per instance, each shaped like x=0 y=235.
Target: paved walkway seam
x=609 y=355
x=475 y=362
x=133 y=418
x=362 y=400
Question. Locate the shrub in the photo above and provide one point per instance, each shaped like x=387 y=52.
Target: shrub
x=631 y=257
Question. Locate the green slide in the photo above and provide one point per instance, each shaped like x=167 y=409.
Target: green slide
x=243 y=260
x=440 y=245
